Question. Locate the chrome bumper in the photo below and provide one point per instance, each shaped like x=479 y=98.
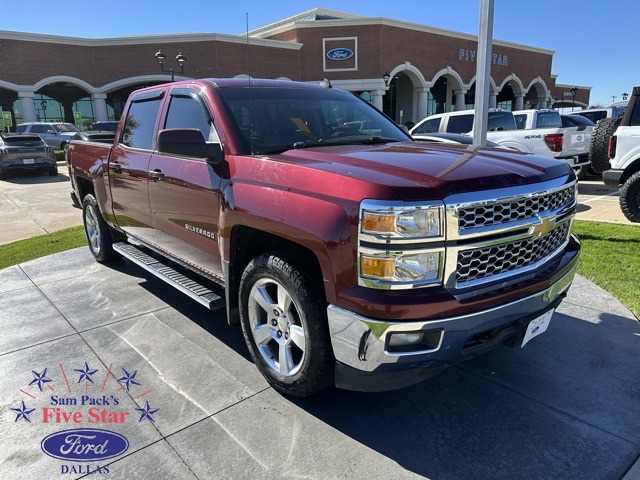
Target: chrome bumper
x=361 y=343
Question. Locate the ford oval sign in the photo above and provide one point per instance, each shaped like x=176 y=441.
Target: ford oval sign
x=339 y=54
x=84 y=445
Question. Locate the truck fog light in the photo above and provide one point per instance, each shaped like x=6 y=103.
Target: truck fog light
x=410 y=342
x=402 y=339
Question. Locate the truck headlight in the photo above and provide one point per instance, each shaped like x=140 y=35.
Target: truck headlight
x=401 y=244
x=408 y=269
x=410 y=222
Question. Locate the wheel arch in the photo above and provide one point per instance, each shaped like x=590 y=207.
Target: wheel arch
x=632 y=168
x=246 y=244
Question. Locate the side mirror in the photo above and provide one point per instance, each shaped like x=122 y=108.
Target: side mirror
x=52 y=132
x=187 y=142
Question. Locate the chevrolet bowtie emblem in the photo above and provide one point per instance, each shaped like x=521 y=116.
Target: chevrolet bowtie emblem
x=544 y=227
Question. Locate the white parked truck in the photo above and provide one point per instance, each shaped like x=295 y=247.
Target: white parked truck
x=533 y=131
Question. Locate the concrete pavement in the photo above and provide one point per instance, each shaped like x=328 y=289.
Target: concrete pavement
x=34 y=204
x=564 y=407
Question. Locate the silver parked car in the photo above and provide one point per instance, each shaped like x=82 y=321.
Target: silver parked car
x=57 y=135
x=25 y=152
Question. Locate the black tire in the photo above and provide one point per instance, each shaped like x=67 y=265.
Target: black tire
x=599 y=147
x=283 y=315
x=53 y=171
x=97 y=231
x=3 y=174
x=630 y=198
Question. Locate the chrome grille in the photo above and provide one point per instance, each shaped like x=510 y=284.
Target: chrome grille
x=479 y=263
x=512 y=210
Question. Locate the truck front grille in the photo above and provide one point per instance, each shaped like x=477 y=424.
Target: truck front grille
x=497 y=238
x=506 y=211
x=485 y=262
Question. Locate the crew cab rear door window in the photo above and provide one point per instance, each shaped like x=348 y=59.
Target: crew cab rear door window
x=140 y=123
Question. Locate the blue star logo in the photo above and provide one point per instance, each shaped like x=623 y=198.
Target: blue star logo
x=146 y=412
x=39 y=378
x=86 y=373
x=129 y=379
x=24 y=413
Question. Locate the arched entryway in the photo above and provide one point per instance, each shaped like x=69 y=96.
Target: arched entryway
x=64 y=102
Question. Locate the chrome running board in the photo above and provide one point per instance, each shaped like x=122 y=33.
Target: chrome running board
x=186 y=285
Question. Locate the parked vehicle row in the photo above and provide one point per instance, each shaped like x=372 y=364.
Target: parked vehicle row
x=533 y=131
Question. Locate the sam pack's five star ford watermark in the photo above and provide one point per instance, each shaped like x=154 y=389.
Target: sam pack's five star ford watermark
x=84 y=409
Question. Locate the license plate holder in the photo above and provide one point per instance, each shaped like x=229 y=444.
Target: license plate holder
x=28 y=161
x=537 y=326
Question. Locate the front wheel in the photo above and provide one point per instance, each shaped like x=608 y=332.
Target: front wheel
x=284 y=323
x=97 y=231
x=630 y=198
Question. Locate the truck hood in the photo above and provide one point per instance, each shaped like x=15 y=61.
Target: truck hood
x=418 y=171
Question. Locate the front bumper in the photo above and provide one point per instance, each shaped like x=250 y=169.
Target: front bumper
x=366 y=362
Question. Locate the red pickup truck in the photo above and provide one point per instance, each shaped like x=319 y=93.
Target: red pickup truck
x=348 y=253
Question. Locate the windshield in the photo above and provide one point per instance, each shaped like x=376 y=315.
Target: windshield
x=66 y=127
x=273 y=120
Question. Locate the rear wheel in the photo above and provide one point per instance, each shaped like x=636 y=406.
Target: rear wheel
x=630 y=198
x=53 y=171
x=599 y=147
x=284 y=324
x=97 y=231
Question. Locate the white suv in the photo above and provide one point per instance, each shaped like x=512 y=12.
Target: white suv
x=624 y=152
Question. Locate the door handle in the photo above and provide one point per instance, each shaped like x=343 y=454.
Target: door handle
x=156 y=174
x=115 y=167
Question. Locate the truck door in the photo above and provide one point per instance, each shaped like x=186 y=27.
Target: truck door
x=129 y=166
x=184 y=191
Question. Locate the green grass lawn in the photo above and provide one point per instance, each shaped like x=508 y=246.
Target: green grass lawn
x=35 y=247
x=610 y=255
x=610 y=258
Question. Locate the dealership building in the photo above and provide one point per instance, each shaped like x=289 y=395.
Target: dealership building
x=407 y=70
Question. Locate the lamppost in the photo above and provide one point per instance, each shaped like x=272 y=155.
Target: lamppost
x=180 y=58
x=43 y=104
x=389 y=99
x=625 y=95
x=573 y=91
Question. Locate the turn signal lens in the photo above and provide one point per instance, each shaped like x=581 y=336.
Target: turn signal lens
x=373 y=222
x=377 y=267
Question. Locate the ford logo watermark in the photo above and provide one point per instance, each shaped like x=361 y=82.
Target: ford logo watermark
x=339 y=54
x=84 y=445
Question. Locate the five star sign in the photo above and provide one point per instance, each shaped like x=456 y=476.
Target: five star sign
x=23 y=412
x=40 y=378
x=146 y=412
x=85 y=374
x=129 y=379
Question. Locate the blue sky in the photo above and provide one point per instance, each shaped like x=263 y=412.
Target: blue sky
x=595 y=42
